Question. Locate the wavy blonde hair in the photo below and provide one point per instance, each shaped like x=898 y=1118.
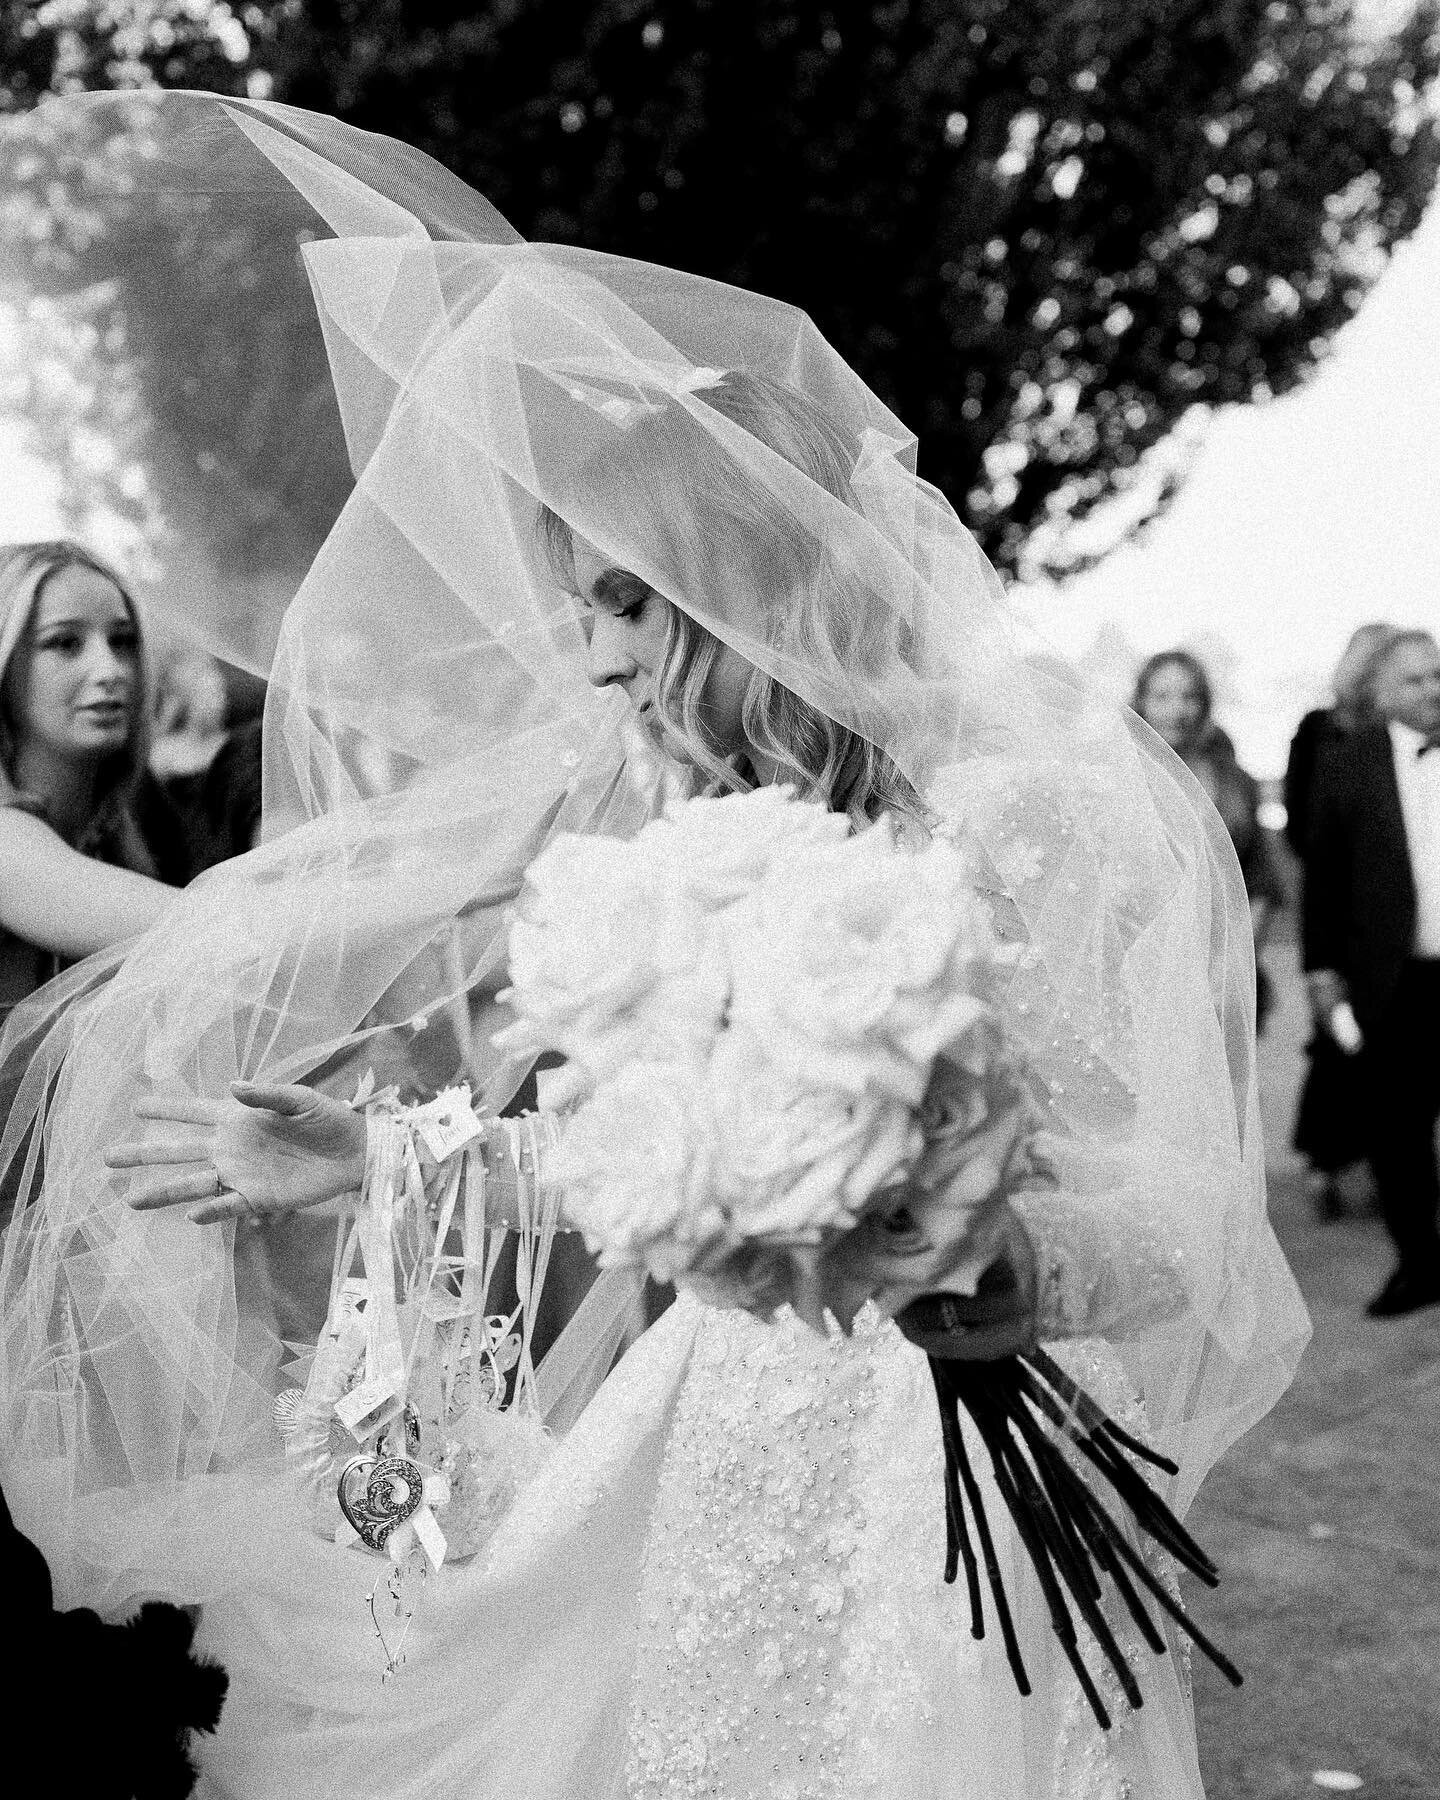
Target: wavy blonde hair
x=696 y=500
x=1353 y=682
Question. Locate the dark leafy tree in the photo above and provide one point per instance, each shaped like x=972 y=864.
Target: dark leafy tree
x=1044 y=230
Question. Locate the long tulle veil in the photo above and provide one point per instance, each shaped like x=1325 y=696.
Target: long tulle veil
x=352 y=388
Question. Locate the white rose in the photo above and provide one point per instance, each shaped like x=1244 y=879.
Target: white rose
x=675 y=1020
x=794 y=1159
x=714 y=851
x=944 y=937
x=856 y=963
x=636 y=1165
x=597 y=948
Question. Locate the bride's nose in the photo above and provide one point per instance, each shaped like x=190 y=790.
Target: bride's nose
x=611 y=661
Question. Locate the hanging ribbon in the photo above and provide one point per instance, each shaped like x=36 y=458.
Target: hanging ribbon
x=415 y=1314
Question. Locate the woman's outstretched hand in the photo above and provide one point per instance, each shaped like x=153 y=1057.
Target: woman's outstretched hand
x=264 y=1151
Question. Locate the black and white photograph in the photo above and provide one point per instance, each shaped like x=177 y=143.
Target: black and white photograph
x=720 y=899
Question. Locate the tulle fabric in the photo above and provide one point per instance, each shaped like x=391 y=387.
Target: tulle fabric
x=429 y=726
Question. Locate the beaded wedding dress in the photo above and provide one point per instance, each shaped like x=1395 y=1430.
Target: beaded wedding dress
x=724 y=1577
x=795 y=1635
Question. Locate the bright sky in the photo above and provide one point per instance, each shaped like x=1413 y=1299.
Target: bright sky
x=1300 y=520
x=27 y=499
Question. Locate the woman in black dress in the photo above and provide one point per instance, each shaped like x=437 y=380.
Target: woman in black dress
x=1329 y=1114
x=76 y=875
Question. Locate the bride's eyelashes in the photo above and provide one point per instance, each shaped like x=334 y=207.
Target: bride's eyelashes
x=623 y=595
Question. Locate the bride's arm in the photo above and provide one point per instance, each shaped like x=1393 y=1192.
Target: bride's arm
x=1066 y=1265
x=1063 y=1267
x=270 y=1150
x=1100 y=1271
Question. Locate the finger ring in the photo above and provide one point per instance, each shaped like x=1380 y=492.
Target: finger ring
x=219 y=1184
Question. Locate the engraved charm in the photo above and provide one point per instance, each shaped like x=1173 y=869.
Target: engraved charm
x=377 y=1494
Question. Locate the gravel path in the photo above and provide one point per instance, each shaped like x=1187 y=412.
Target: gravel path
x=1325 y=1520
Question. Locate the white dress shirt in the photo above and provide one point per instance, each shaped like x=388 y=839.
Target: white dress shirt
x=1418 y=778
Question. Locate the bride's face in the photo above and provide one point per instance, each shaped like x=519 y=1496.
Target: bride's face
x=627 y=626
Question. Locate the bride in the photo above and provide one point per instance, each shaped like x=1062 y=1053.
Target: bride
x=616 y=534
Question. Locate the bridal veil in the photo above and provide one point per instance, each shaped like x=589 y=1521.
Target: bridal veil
x=351 y=390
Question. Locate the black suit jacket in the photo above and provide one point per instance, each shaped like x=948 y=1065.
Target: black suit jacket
x=1359 y=913
x=1315 y=737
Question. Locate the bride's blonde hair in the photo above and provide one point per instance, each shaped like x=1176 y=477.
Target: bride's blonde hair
x=694 y=501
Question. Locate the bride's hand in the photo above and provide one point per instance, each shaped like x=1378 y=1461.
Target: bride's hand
x=264 y=1151
x=999 y=1319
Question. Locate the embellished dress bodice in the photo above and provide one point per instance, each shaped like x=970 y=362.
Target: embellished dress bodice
x=796 y=1639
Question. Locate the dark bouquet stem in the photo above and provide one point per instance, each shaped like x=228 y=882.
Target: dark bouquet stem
x=1037 y=1425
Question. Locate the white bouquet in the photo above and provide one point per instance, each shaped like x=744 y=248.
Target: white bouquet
x=778 y=1031
x=792 y=1086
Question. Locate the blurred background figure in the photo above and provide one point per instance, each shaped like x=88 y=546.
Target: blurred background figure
x=210 y=813
x=190 y=711
x=1329 y=1115
x=202 y=803
x=1372 y=944
x=1353 y=706
x=76 y=874
x=1173 y=695
x=229 y=798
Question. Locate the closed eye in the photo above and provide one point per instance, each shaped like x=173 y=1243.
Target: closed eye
x=622 y=594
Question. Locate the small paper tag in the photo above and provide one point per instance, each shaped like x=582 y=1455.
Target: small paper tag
x=447 y=1123
x=352 y=1296
x=366 y=1408
x=432 y=1538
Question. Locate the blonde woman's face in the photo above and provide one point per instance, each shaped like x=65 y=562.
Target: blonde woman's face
x=74 y=682
x=627 y=627
x=1171 y=704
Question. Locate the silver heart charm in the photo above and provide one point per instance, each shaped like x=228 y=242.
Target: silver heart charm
x=379 y=1493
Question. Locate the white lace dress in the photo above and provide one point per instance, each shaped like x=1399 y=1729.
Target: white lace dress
x=726 y=1582
x=796 y=1639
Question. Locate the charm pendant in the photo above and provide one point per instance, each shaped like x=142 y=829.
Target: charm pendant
x=379 y=1493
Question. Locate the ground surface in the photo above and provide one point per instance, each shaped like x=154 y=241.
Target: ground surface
x=1326 y=1519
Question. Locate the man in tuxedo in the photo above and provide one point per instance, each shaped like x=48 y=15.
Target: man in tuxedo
x=1372 y=939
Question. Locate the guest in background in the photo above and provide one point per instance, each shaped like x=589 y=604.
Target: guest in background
x=1174 y=697
x=1330 y=1114
x=189 y=712
x=1372 y=945
x=225 y=810
x=195 y=820
x=1352 y=707
x=75 y=873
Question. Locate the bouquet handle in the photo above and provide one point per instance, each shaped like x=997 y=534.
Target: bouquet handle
x=1044 y=1435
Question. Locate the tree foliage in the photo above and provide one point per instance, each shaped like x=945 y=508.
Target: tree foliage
x=1043 y=230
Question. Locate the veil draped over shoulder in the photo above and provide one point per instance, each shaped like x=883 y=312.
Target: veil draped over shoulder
x=351 y=389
